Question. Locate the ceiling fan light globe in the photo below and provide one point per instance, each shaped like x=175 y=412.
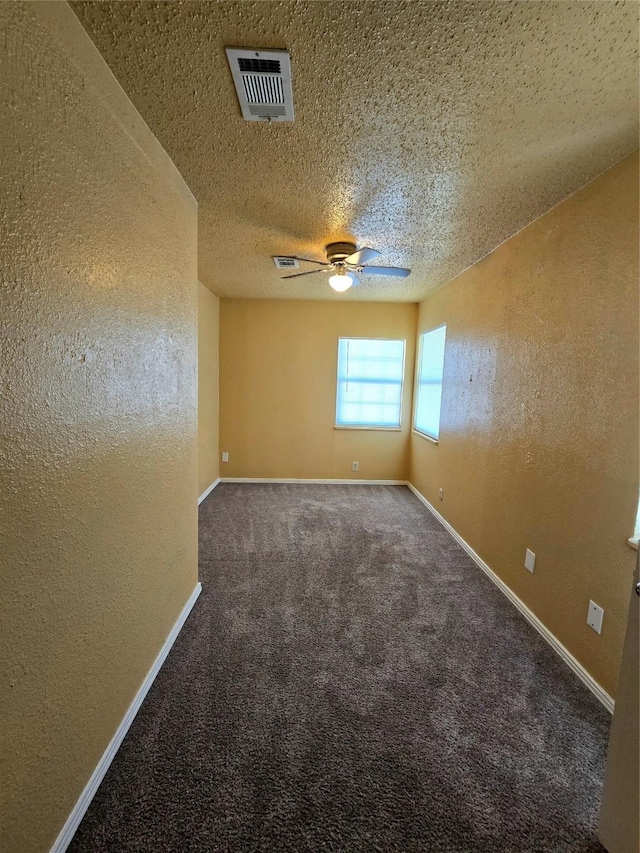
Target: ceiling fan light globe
x=340 y=283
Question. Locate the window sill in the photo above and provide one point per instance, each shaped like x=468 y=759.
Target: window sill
x=633 y=543
x=377 y=429
x=426 y=437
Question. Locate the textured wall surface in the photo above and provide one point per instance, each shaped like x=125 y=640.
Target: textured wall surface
x=278 y=363
x=208 y=415
x=431 y=131
x=539 y=433
x=98 y=417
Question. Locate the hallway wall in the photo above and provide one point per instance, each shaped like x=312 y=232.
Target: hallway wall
x=539 y=432
x=98 y=417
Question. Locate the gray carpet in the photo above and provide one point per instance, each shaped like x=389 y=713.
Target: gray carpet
x=350 y=681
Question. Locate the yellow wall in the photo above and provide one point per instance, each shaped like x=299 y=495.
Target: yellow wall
x=208 y=340
x=539 y=432
x=278 y=362
x=98 y=418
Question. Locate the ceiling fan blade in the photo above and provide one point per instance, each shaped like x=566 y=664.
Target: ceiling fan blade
x=362 y=256
x=397 y=272
x=298 y=274
x=309 y=260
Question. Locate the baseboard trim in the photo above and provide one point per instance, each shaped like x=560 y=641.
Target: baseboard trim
x=313 y=482
x=73 y=821
x=529 y=615
x=208 y=491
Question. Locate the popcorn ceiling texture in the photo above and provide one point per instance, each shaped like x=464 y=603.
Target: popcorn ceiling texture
x=429 y=130
x=98 y=525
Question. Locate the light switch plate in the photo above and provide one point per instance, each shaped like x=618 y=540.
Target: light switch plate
x=529 y=561
x=595 y=616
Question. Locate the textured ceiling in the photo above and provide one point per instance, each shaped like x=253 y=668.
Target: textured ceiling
x=431 y=131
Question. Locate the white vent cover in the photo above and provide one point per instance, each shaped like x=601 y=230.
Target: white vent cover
x=263 y=83
x=286 y=263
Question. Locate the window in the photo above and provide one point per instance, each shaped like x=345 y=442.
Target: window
x=429 y=380
x=635 y=539
x=370 y=374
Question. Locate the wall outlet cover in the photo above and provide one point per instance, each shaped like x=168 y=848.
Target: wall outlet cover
x=529 y=561
x=354 y=466
x=225 y=457
x=595 y=616
x=441 y=494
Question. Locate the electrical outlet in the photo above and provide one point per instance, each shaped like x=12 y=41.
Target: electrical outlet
x=529 y=561
x=225 y=457
x=595 y=616
x=441 y=494
x=354 y=466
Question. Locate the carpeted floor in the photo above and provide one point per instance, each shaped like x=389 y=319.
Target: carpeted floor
x=350 y=681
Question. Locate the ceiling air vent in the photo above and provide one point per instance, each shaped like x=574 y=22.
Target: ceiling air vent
x=286 y=263
x=263 y=82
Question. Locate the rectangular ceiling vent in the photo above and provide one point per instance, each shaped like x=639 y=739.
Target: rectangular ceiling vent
x=286 y=263
x=263 y=82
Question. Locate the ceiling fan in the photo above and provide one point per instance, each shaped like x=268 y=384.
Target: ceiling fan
x=343 y=261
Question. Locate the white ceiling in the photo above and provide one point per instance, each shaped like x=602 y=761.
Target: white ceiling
x=431 y=131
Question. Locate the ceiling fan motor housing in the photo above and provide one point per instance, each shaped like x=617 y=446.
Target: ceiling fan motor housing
x=339 y=251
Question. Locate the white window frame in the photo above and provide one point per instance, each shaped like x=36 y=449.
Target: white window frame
x=432 y=438
x=336 y=425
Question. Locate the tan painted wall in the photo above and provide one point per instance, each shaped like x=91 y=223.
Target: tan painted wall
x=539 y=433
x=98 y=416
x=278 y=362
x=208 y=345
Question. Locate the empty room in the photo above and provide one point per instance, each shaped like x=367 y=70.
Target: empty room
x=320 y=426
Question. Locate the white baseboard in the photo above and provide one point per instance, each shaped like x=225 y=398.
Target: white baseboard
x=312 y=482
x=208 y=491
x=529 y=615
x=73 y=821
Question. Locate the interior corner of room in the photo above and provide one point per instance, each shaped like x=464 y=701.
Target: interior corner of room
x=148 y=362
x=527 y=439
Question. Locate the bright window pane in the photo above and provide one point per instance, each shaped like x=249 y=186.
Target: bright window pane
x=370 y=374
x=430 y=370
